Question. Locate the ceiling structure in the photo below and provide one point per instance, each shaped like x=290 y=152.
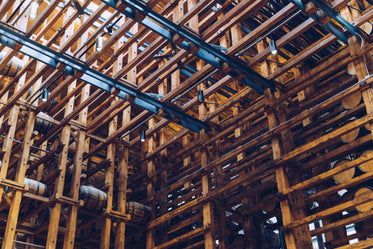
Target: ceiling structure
x=219 y=121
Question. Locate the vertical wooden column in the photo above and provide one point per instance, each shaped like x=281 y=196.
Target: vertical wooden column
x=122 y=184
x=303 y=234
x=290 y=209
x=304 y=95
x=221 y=221
x=78 y=160
x=43 y=146
x=109 y=185
x=281 y=175
x=124 y=151
x=22 y=164
x=62 y=158
x=150 y=145
x=248 y=220
x=175 y=82
x=207 y=209
x=150 y=235
x=162 y=90
x=75 y=182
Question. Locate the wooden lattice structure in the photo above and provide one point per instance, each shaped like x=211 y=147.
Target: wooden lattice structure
x=186 y=124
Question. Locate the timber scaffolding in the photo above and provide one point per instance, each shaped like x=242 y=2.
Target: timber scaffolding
x=175 y=124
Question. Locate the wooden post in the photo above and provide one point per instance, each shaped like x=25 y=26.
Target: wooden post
x=150 y=235
x=77 y=165
x=124 y=151
x=22 y=164
x=11 y=224
x=109 y=185
x=122 y=185
x=162 y=90
x=207 y=209
x=62 y=158
x=290 y=209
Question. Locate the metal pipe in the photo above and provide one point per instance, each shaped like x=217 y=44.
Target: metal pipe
x=334 y=15
x=167 y=29
x=28 y=244
x=93 y=77
x=328 y=26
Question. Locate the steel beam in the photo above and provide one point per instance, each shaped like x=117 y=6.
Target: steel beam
x=328 y=26
x=12 y=39
x=207 y=52
x=335 y=16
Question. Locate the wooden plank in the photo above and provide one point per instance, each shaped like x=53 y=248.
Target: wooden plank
x=150 y=188
x=109 y=187
x=318 y=142
x=238 y=13
x=14 y=210
x=189 y=235
x=62 y=161
x=281 y=175
x=343 y=222
x=72 y=216
x=327 y=212
x=124 y=151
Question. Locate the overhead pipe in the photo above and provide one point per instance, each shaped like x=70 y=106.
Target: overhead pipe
x=335 y=16
x=332 y=14
x=11 y=38
x=185 y=39
x=328 y=26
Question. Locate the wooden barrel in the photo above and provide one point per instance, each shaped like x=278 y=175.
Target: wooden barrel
x=362 y=194
x=350 y=136
x=367 y=126
x=367 y=27
x=351 y=70
x=367 y=166
x=139 y=212
x=94 y=199
x=351 y=101
x=55 y=143
x=42 y=125
x=36 y=188
x=12 y=67
x=269 y=202
x=344 y=175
